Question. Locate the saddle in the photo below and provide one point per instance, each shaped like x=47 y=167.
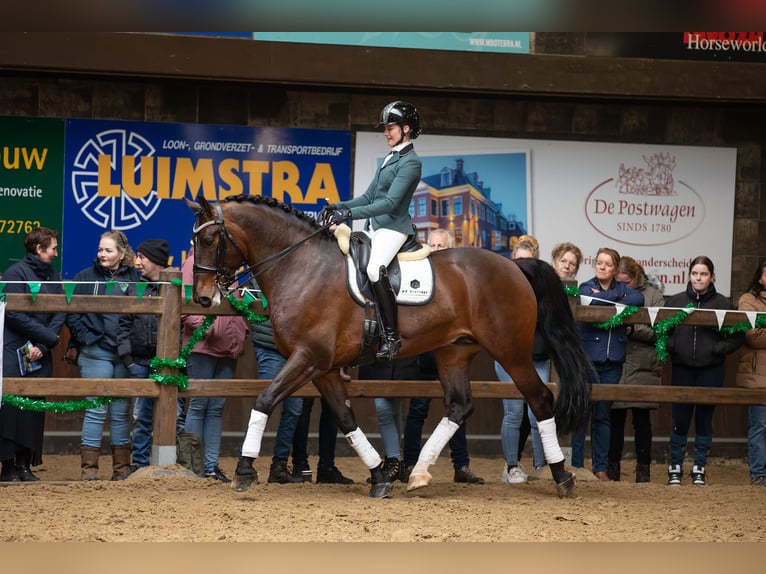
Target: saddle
x=410 y=272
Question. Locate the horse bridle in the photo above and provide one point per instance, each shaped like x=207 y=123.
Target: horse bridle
x=224 y=237
x=220 y=256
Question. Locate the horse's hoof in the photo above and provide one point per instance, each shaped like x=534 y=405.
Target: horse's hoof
x=381 y=490
x=243 y=482
x=565 y=488
x=418 y=481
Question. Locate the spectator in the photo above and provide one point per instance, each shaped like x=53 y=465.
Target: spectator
x=327 y=472
x=698 y=354
x=751 y=373
x=137 y=343
x=566 y=259
x=513 y=409
x=215 y=357
x=417 y=413
x=642 y=367
x=21 y=430
x=606 y=349
x=93 y=347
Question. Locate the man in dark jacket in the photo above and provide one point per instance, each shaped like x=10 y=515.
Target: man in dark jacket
x=137 y=343
x=21 y=431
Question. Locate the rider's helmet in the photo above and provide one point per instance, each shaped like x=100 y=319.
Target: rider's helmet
x=401 y=113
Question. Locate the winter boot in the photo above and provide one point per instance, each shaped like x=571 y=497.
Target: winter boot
x=385 y=301
x=613 y=471
x=120 y=462
x=8 y=473
x=23 y=459
x=642 y=473
x=280 y=473
x=89 y=463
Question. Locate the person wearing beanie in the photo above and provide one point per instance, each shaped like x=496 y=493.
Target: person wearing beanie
x=155 y=250
x=137 y=344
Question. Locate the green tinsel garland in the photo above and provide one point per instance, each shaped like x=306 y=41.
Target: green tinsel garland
x=662 y=328
x=618 y=319
x=180 y=380
x=571 y=290
x=741 y=327
x=243 y=309
x=39 y=405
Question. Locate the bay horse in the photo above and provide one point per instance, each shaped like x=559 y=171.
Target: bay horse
x=481 y=300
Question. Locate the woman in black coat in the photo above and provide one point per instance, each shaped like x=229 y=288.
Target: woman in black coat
x=21 y=431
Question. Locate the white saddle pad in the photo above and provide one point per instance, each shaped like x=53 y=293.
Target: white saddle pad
x=415 y=288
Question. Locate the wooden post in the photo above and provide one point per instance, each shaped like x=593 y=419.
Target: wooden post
x=168 y=342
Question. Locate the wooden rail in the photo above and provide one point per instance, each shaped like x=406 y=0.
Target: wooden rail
x=169 y=307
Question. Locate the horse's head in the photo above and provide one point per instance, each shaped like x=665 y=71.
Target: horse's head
x=217 y=253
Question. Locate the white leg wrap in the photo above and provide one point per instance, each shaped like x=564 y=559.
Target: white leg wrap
x=252 y=445
x=550 y=441
x=358 y=441
x=437 y=441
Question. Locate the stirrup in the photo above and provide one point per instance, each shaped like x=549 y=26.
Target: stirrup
x=389 y=348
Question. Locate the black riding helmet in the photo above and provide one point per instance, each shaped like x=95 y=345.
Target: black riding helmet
x=401 y=113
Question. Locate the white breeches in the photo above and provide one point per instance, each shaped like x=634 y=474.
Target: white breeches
x=385 y=245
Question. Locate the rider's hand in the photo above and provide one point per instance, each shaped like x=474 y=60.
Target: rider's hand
x=338 y=216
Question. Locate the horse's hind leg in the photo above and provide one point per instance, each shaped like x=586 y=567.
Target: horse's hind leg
x=540 y=400
x=334 y=394
x=453 y=363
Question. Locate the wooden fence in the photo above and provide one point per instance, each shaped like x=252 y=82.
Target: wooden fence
x=170 y=305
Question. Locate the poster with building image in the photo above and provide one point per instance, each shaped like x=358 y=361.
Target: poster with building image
x=662 y=205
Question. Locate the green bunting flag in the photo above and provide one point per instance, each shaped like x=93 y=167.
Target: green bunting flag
x=69 y=288
x=188 y=292
x=34 y=288
x=140 y=288
x=110 y=287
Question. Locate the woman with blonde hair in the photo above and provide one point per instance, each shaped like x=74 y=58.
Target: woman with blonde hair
x=93 y=347
x=642 y=367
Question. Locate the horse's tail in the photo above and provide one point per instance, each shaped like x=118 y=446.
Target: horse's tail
x=557 y=326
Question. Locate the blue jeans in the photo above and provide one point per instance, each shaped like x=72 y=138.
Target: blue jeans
x=682 y=413
x=143 y=412
x=98 y=363
x=608 y=373
x=513 y=415
x=204 y=415
x=413 y=433
x=328 y=436
x=270 y=362
x=756 y=440
x=389 y=412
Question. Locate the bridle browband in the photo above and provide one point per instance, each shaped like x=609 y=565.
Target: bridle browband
x=224 y=278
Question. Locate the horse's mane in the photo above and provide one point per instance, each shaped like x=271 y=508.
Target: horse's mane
x=276 y=204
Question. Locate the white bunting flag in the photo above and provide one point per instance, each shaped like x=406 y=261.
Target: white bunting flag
x=652 y=314
x=720 y=315
x=752 y=316
x=585 y=300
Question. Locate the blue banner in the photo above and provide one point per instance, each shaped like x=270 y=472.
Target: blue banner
x=133 y=177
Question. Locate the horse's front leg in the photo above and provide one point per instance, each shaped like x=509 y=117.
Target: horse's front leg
x=295 y=373
x=330 y=385
x=453 y=363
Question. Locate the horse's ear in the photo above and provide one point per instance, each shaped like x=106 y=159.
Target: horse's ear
x=193 y=205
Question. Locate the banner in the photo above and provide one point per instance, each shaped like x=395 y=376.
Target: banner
x=662 y=205
x=31 y=182
x=507 y=42
x=2 y=342
x=133 y=177
x=721 y=46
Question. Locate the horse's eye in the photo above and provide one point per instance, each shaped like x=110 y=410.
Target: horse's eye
x=208 y=241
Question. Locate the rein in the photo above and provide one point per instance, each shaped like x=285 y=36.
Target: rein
x=224 y=234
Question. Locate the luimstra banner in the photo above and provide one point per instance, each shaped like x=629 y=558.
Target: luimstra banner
x=31 y=181
x=133 y=176
x=662 y=205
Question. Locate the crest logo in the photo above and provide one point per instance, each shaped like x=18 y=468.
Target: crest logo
x=122 y=212
x=645 y=205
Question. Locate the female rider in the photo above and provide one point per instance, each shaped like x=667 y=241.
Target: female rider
x=386 y=205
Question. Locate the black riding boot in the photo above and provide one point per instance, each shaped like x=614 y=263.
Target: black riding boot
x=385 y=300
